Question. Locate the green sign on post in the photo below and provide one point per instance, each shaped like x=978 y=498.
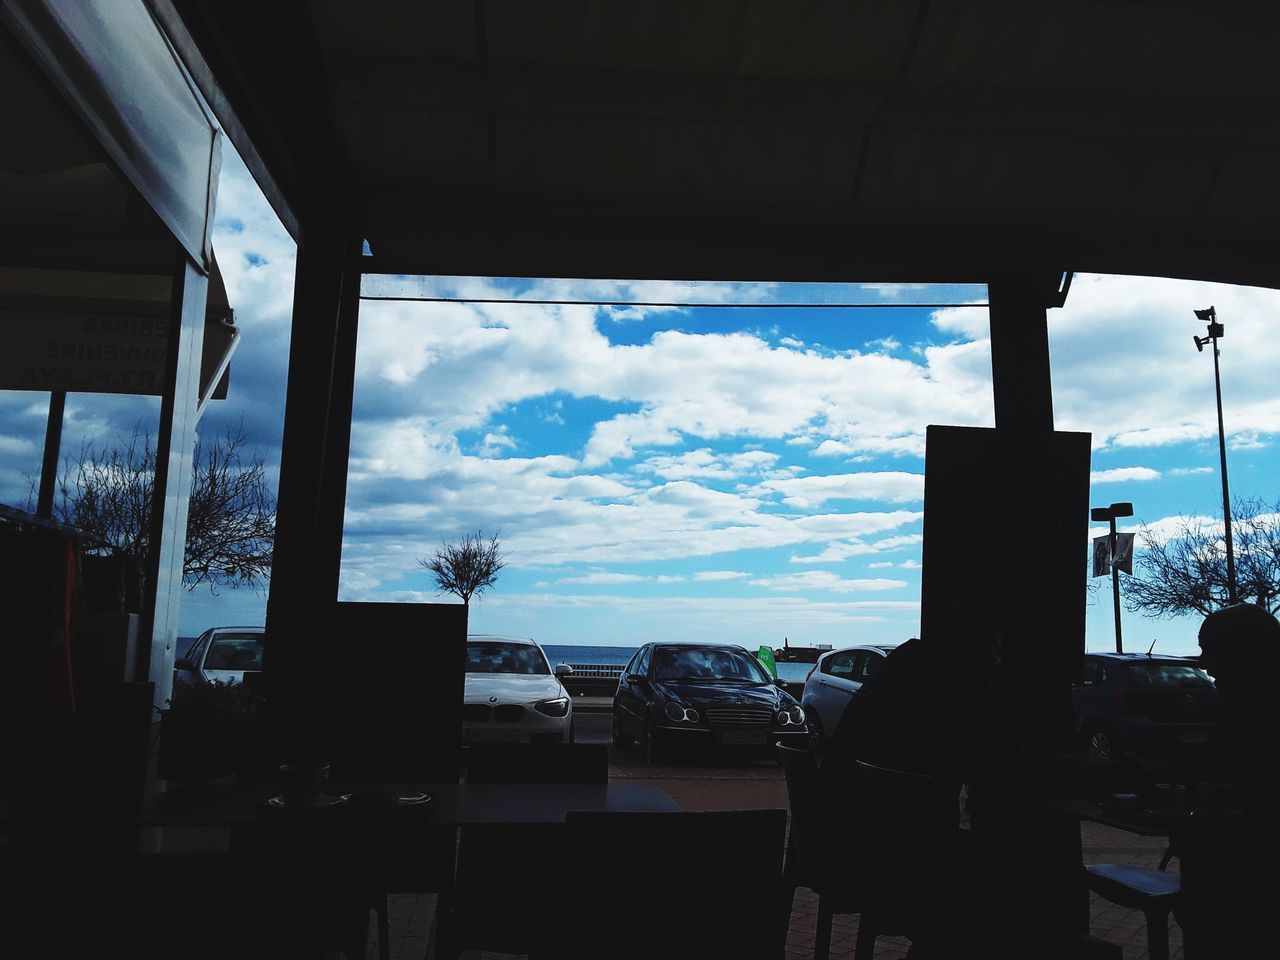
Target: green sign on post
x=765 y=656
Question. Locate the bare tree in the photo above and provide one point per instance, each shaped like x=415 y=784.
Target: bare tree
x=1187 y=572
x=468 y=567
x=106 y=498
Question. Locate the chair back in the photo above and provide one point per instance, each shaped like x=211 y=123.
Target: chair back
x=912 y=835
x=808 y=864
x=537 y=763
x=692 y=885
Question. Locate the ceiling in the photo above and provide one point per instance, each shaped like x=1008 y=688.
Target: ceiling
x=801 y=140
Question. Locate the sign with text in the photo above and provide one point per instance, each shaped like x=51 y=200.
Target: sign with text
x=98 y=352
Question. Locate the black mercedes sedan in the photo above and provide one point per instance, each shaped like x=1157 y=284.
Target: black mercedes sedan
x=703 y=696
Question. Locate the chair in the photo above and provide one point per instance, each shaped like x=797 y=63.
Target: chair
x=537 y=763
x=813 y=860
x=689 y=885
x=1154 y=892
x=912 y=828
x=494 y=863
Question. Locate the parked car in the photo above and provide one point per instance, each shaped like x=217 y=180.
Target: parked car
x=1150 y=706
x=835 y=677
x=224 y=654
x=512 y=694
x=703 y=695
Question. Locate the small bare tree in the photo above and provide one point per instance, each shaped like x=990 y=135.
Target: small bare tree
x=106 y=497
x=468 y=567
x=1187 y=572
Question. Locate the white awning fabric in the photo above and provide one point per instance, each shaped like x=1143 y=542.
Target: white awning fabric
x=114 y=66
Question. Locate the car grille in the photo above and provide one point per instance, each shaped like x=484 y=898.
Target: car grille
x=476 y=712
x=739 y=716
x=508 y=712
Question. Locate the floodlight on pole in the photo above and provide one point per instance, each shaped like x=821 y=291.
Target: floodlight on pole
x=1108 y=515
x=1215 y=332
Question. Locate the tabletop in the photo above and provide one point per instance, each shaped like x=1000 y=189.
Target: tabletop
x=453 y=804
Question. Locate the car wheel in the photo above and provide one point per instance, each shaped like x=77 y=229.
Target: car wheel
x=817 y=739
x=1097 y=748
x=620 y=739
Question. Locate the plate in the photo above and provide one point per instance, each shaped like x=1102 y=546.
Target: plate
x=325 y=800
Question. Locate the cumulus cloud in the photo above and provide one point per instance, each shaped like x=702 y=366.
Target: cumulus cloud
x=1124 y=475
x=826 y=580
x=887 y=486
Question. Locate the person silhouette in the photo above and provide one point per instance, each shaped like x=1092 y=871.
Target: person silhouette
x=1231 y=834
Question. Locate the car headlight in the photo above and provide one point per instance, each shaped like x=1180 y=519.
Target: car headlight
x=791 y=715
x=558 y=707
x=678 y=714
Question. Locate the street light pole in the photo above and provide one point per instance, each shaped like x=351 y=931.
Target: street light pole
x=1216 y=331
x=1109 y=514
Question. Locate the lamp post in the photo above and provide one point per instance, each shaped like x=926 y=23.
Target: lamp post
x=1210 y=316
x=1109 y=514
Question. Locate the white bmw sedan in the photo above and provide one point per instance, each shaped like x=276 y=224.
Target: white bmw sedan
x=512 y=694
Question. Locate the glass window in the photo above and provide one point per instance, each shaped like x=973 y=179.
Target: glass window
x=193 y=651
x=1156 y=675
x=497 y=656
x=841 y=665
x=642 y=667
x=867 y=665
x=708 y=663
x=234 y=651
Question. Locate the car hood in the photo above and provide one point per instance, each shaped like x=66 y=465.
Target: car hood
x=710 y=692
x=511 y=687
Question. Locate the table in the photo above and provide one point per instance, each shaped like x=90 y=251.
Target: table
x=455 y=804
x=373 y=849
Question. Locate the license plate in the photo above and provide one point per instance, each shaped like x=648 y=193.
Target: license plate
x=742 y=738
x=491 y=734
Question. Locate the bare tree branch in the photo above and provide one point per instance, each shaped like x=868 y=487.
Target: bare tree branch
x=106 y=497
x=1187 y=573
x=468 y=567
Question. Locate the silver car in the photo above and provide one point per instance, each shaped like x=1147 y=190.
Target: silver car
x=512 y=694
x=835 y=678
x=224 y=654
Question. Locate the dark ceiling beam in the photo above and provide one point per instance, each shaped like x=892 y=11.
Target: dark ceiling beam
x=763 y=250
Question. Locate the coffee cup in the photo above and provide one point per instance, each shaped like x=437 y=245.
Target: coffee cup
x=303 y=781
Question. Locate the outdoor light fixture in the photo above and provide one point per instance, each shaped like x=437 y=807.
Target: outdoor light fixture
x=1108 y=515
x=1215 y=332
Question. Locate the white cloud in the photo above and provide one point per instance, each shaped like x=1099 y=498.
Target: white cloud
x=805 y=492
x=880 y=565
x=825 y=580
x=1189 y=471
x=705 y=464
x=719 y=575
x=607 y=578
x=1248 y=440
x=1124 y=475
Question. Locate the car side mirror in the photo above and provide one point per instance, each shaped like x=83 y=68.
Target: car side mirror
x=564 y=670
x=184 y=664
x=635 y=678
x=779 y=682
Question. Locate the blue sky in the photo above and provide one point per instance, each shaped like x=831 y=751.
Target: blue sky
x=706 y=473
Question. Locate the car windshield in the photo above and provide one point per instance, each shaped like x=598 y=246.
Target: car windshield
x=1158 y=674
x=234 y=651
x=496 y=656
x=707 y=663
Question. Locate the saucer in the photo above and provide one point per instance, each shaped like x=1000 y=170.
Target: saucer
x=401 y=799
x=324 y=800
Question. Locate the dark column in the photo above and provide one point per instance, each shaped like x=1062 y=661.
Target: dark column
x=304 y=577
x=52 y=445
x=1039 y=511
x=175 y=447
